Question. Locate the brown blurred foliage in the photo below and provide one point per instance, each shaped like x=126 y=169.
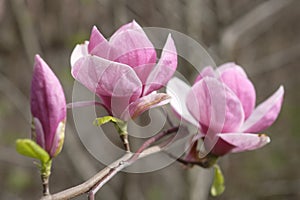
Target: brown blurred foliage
x=260 y=35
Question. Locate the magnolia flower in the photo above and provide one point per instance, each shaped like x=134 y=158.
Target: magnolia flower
x=221 y=103
x=48 y=108
x=122 y=71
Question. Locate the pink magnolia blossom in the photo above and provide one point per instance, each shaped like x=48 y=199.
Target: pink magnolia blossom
x=122 y=71
x=221 y=103
x=48 y=108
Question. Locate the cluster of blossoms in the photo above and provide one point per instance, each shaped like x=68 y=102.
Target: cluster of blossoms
x=124 y=73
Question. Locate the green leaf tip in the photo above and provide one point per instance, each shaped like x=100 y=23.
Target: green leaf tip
x=218 y=185
x=120 y=125
x=30 y=148
x=103 y=120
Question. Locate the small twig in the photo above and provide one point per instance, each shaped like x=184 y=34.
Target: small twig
x=131 y=160
x=45 y=182
x=88 y=103
x=124 y=138
x=156 y=138
x=91 y=196
x=205 y=162
x=93 y=184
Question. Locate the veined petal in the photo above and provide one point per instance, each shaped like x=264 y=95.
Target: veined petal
x=131 y=46
x=96 y=38
x=265 y=114
x=230 y=66
x=145 y=103
x=178 y=90
x=107 y=78
x=78 y=52
x=216 y=107
x=133 y=25
x=58 y=139
x=245 y=141
x=98 y=45
x=164 y=69
x=207 y=71
x=234 y=77
x=38 y=132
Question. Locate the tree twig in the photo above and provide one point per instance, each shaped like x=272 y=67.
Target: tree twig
x=45 y=182
x=93 y=184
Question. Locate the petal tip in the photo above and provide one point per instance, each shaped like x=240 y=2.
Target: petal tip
x=38 y=59
x=264 y=138
x=281 y=89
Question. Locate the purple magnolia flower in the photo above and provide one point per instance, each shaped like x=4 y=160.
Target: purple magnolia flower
x=48 y=108
x=221 y=103
x=122 y=71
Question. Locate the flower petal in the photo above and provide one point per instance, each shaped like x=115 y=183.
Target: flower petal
x=230 y=66
x=215 y=106
x=245 y=141
x=58 y=140
x=98 y=45
x=131 y=46
x=178 y=90
x=164 y=69
x=105 y=77
x=116 y=83
x=145 y=103
x=133 y=25
x=38 y=132
x=207 y=71
x=265 y=114
x=234 y=77
x=78 y=52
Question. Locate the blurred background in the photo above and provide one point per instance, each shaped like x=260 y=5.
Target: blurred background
x=260 y=35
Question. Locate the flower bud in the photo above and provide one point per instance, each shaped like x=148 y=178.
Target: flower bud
x=48 y=108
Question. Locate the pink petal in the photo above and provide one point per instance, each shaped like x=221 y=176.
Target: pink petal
x=39 y=134
x=245 y=141
x=217 y=146
x=207 y=71
x=127 y=27
x=58 y=139
x=236 y=80
x=131 y=46
x=265 y=114
x=116 y=83
x=216 y=107
x=105 y=77
x=164 y=69
x=79 y=51
x=178 y=90
x=145 y=103
x=230 y=66
x=98 y=45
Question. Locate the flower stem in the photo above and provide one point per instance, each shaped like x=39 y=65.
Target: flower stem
x=45 y=174
x=121 y=127
x=45 y=182
x=124 y=138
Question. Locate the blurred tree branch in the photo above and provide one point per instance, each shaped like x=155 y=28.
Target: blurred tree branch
x=251 y=25
x=26 y=28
